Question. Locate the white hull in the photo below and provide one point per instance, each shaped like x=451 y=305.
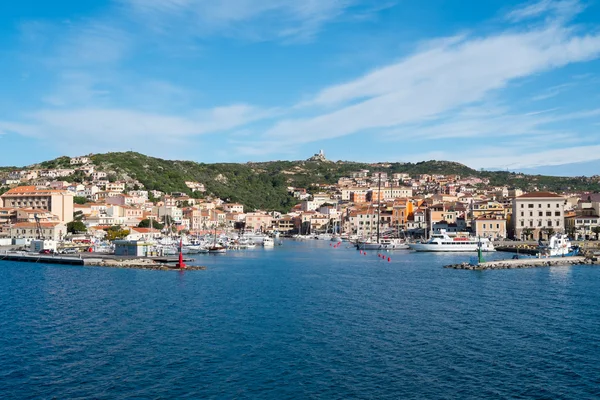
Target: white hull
x=444 y=243
x=382 y=246
x=448 y=247
x=268 y=242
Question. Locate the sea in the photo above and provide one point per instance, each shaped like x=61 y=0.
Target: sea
x=304 y=320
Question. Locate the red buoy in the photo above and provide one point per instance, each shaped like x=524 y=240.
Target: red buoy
x=389 y=259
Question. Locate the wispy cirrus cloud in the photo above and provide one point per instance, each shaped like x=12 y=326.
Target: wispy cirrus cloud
x=252 y=19
x=427 y=84
x=558 y=9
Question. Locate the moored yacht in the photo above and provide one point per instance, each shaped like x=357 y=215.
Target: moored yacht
x=382 y=244
x=444 y=242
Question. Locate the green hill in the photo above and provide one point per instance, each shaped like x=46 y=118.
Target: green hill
x=264 y=185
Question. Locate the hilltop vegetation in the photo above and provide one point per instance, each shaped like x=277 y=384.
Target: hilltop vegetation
x=264 y=185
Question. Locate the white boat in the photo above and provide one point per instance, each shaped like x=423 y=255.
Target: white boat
x=268 y=242
x=559 y=245
x=383 y=244
x=443 y=242
x=323 y=236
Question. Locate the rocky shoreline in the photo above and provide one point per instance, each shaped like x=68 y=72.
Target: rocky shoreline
x=526 y=263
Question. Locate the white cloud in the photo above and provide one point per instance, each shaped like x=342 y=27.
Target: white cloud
x=276 y=18
x=428 y=84
x=560 y=9
x=83 y=129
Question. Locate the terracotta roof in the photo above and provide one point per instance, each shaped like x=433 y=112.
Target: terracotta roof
x=33 y=225
x=535 y=195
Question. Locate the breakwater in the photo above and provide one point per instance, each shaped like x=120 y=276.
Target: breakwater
x=97 y=260
x=525 y=263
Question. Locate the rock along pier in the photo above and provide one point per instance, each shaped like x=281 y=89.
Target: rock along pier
x=526 y=263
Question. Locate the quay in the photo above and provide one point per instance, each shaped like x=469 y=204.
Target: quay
x=526 y=263
x=99 y=260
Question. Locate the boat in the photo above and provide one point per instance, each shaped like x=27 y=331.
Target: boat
x=268 y=242
x=559 y=245
x=216 y=247
x=383 y=244
x=442 y=242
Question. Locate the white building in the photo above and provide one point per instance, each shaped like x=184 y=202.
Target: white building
x=537 y=214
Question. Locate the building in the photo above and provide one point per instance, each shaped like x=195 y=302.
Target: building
x=490 y=226
x=29 y=230
x=537 y=215
x=79 y=160
x=233 y=207
x=258 y=221
x=57 y=202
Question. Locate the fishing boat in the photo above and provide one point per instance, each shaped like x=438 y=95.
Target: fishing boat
x=216 y=247
x=268 y=242
x=442 y=242
x=559 y=245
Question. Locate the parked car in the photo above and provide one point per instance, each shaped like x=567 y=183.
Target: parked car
x=46 y=251
x=69 y=251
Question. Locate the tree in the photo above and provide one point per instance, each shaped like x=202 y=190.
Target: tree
x=527 y=232
x=145 y=223
x=76 y=227
x=596 y=230
x=79 y=200
x=116 y=232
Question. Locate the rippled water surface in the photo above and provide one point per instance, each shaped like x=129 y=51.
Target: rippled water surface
x=300 y=321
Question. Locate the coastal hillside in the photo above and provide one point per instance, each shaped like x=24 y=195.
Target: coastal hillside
x=265 y=185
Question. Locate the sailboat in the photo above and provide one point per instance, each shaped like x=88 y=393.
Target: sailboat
x=216 y=247
x=385 y=243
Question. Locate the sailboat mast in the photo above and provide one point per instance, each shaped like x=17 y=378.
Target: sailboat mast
x=378 y=206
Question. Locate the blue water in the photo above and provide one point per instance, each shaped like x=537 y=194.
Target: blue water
x=300 y=321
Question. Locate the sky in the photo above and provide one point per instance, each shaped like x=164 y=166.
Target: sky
x=495 y=84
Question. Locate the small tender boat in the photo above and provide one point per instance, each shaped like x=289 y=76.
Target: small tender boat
x=268 y=242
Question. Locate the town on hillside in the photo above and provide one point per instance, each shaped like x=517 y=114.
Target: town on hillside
x=43 y=203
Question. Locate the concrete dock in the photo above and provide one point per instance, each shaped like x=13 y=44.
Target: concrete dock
x=100 y=260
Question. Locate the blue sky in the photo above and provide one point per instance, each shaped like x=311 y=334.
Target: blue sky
x=493 y=84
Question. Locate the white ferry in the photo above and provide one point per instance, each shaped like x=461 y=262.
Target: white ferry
x=444 y=242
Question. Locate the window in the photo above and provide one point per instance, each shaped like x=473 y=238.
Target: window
x=557 y=205
x=530 y=205
x=549 y=223
x=522 y=223
x=548 y=213
x=548 y=205
x=531 y=213
x=522 y=206
x=497 y=226
x=522 y=214
x=531 y=223
x=557 y=213
x=540 y=214
x=483 y=226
